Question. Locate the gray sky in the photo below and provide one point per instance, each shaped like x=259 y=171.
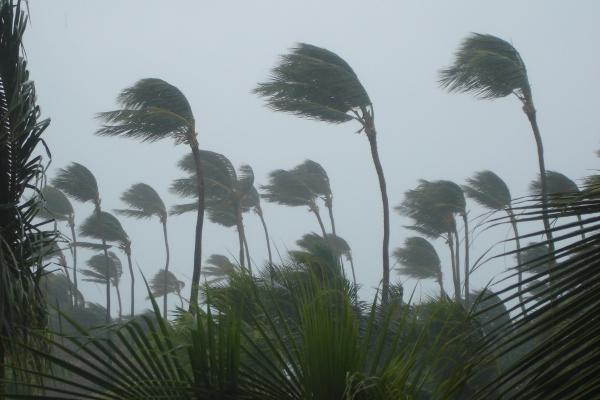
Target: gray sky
x=82 y=53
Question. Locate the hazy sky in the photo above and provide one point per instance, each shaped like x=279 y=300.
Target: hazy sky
x=82 y=53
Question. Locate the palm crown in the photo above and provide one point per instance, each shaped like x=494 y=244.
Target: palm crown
x=558 y=184
x=100 y=269
x=489 y=190
x=418 y=259
x=218 y=268
x=165 y=282
x=104 y=226
x=144 y=202
x=55 y=205
x=78 y=182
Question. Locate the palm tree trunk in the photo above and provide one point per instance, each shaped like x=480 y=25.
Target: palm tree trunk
x=63 y=263
x=105 y=247
x=242 y=257
x=530 y=111
x=119 y=301
x=128 y=253
x=74 y=247
x=166 y=282
x=372 y=136
x=315 y=210
x=457 y=255
x=199 y=223
x=330 y=209
x=247 y=250
x=467 y=263
x=352 y=268
x=440 y=280
x=455 y=280
x=243 y=241
x=513 y=222
x=264 y=225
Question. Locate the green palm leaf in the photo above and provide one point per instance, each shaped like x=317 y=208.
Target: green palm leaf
x=144 y=203
x=489 y=190
x=78 y=182
x=54 y=205
x=103 y=226
x=418 y=259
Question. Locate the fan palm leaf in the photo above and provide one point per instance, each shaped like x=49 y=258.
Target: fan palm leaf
x=151 y=110
x=315 y=83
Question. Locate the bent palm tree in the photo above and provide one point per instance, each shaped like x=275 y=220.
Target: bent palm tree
x=55 y=205
x=432 y=206
x=218 y=268
x=288 y=189
x=491 y=192
x=145 y=203
x=105 y=227
x=102 y=269
x=561 y=191
x=315 y=83
x=419 y=260
x=491 y=68
x=227 y=193
x=152 y=110
x=165 y=282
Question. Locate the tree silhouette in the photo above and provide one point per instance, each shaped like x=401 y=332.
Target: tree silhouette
x=219 y=268
x=153 y=109
x=165 y=282
x=419 y=260
x=315 y=83
x=101 y=270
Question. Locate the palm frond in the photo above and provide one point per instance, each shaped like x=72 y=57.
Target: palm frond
x=161 y=284
x=418 y=259
x=100 y=269
x=314 y=176
x=78 y=182
x=489 y=190
x=287 y=189
x=151 y=110
x=54 y=205
x=488 y=67
x=218 y=268
x=315 y=83
x=144 y=202
x=103 y=226
x=559 y=187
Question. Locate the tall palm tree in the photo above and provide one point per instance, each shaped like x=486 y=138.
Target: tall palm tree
x=219 y=268
x=419 y=260
x=102 y=269
x=491 y=192
x=107 y=228
x=226 y=193
x=492 y=68
x=165 y=282
x=288 y=189
x=55 y=205
x=315 y=83
x=151 y=110
x=433 y=206
x=315 y=177
x=561 y=190
x=145 y=203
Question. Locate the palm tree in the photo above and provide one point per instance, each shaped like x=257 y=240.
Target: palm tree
x=253 y=198
x=107 y=228
x=226 y=193
x=491 y=192
x=101 y=270
x=315 y=177
x=288 y=189
x=55 y=205
x=145 y=203
x=339 y=246
x=152 y=110
x=561 y=190
x=492 y=68
x=315 y=83
x=165 y=282
x=432 y=206
x=419 y=260
x=219 y=268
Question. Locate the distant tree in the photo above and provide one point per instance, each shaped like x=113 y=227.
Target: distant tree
x=227 y=193
x=98 y=272
x=219 y=268
x=165 y=282
x=433 y=206
x=313 y=82
x=153 y=109
x=288 y=189
x=419 y=260
x=561 y=191
x=492 y=68
x=491 y=192
x=145 y=203
x=107 y=228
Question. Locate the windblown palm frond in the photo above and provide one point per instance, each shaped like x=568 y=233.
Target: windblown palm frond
x=339 y=246
x=100 y=269
x=144 y=202
x=488 y=67
x=315 y=83
x=287 y=189
x=489 y=190
x=165 y=282
x=78 y=182
x=314 y=176
x=560 y=187
x=151 y=110
x=218 y=268
x=54 y=205
x=103 y=226
x=418 y=259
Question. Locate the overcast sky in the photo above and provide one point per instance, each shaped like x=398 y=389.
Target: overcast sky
x=82 y=53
